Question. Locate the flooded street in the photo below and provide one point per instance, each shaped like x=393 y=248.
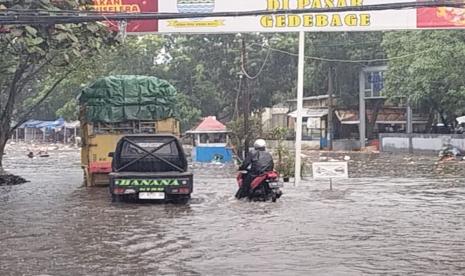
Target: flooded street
x=396 y=226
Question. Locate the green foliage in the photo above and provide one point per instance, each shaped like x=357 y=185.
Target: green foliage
x=433 y=78
x=187 y=115
x=340 y=47
x=279 y=133
x=37 y=59
x=205 y=68
x=239 y=134
x=69 y=111
x=285 y=161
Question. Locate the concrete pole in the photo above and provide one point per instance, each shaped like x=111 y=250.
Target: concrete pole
x=300 y=99
x=361 y=111
x=409 y=126
x=75 y=137
x=330 y=108
x=246 y=100
x=409 y=119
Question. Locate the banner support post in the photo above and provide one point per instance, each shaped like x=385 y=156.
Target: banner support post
x=300 y=95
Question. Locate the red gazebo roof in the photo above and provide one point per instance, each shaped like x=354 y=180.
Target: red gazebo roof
x=209 y=125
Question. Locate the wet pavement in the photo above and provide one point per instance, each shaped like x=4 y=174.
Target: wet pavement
x=393 y=226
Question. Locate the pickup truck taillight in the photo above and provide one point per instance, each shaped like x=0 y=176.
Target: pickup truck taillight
x=180 y=191
x=122 y=191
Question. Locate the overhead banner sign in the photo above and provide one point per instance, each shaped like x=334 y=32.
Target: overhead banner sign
x=408 y=19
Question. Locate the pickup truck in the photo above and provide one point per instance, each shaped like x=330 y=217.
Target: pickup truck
x=150 y=167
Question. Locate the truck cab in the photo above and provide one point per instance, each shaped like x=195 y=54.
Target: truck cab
x=150 y=167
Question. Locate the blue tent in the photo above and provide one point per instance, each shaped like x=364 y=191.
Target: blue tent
x=30 y=124
x=51 y=124
x=43 y=124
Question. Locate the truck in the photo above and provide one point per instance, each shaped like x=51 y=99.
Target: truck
x=150 y=167
x=114 y=106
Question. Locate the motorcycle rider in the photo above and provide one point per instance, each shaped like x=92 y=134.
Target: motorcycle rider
x=257 y=163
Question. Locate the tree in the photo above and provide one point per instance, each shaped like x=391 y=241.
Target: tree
x=135 y=56
x=36 y=59
x=432 y=76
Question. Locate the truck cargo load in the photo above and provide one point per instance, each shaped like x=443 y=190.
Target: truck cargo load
x=118 y=99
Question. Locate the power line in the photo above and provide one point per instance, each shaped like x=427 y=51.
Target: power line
x=37 y=17
x=261 y=68
x=345 y=60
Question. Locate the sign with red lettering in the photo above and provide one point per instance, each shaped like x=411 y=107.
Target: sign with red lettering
x=130 y=6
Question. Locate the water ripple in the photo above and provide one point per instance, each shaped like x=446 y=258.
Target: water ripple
x=55 y=226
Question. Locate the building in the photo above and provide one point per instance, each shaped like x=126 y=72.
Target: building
x=211 y=140
x=314 y=118
x=274 y=117
x=346 y=121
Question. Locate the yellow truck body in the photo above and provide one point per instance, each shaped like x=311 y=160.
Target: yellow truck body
x=98 y=140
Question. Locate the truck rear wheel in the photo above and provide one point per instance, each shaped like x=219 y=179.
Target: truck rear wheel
x=115 y=198
x=179 y=199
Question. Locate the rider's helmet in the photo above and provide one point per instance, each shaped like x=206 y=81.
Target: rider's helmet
x=259 y=144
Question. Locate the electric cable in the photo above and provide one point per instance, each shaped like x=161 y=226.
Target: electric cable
x=346 y=60
x=261 y=68
x=20 y=17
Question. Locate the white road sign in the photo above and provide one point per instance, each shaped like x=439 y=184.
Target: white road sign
x=330 y=170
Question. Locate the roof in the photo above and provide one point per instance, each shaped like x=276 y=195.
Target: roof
x=319 y=97
x=73 y=124
x=310 y=113
x=461 y=120
x=385 y=116
x=30 y=124
x=43 y=124
x=209 y=125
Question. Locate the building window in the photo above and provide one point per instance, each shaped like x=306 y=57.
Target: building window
x=213 y=138
x=374 y=84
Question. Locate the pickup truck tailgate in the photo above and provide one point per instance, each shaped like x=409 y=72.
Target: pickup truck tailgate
x=167 y=182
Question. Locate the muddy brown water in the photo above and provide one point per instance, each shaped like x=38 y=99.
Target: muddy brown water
x=55 y=226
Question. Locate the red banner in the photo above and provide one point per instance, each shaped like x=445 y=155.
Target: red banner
x=441 y=18
x=131 y=6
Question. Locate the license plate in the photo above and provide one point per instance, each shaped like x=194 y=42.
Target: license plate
x=275 y=184
x=151 y=195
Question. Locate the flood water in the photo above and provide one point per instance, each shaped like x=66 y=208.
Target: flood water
x=55 y=226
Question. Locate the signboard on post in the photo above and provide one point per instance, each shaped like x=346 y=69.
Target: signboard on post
x=404 y=19
x=330 y=170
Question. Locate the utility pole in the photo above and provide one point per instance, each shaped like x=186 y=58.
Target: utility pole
x=409 y=117
x=245 y=100
x=300 y=96
x=330 y=108
x=362 y=109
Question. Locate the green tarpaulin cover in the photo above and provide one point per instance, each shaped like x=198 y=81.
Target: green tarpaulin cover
x=122 y=98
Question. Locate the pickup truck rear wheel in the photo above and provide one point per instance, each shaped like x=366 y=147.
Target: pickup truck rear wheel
x=179 y=200
x=115 y=198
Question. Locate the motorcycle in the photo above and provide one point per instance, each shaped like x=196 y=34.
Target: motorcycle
x=262 y=188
